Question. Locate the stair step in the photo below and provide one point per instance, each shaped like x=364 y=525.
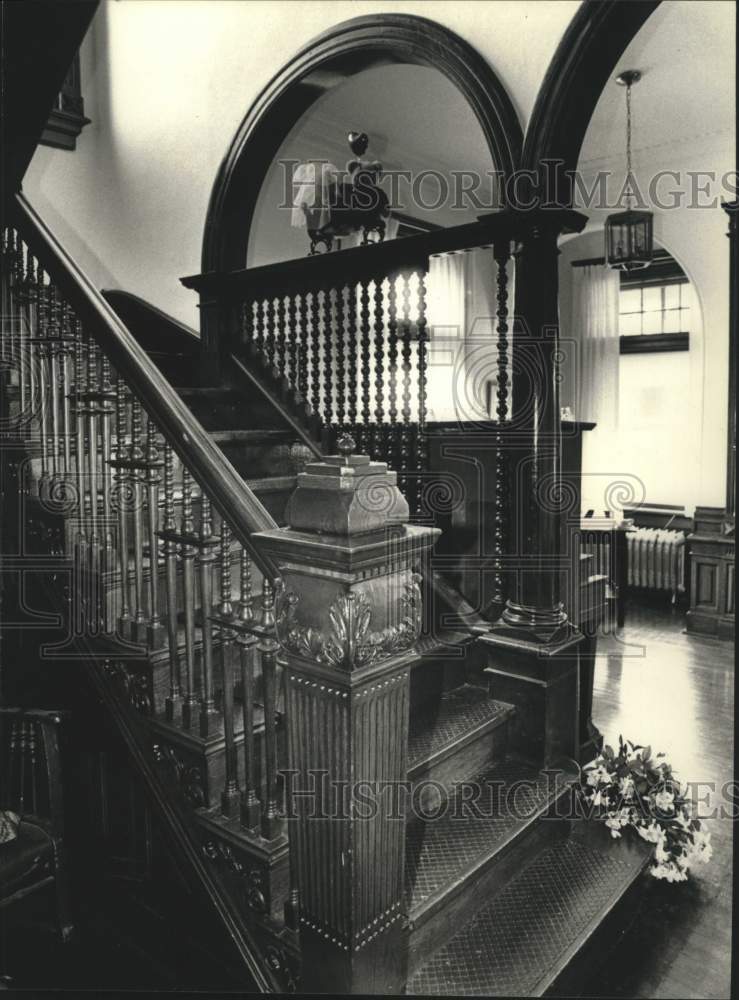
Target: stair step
x=456 y=861
x=520 y=943
x=252 y=436
x=443 y=851
x=458 y=719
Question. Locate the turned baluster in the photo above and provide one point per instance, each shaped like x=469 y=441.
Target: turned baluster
x=5 y=279
x=379 y=343
x=302 y=355
x=187 y=553
x=315 y=353
x=32 y=315
x=107 y=398
x=15 y=276
x=230 y=796
x=24 y=297
x=137 y=460
x=55 y=355
x=329 y=320
x=93 y=411
x=247 y=325
x=56 y=450
x=501 y=254
x=247 y=643
x=90 y=410
x=421 y=445
x=206 y=558
x=270 y=336
x=267 y=647
x=365 y=347
x=290 y=351
x=340 y=357
x=350 y=305
x=42 y=335
x=155 y=630
x=66 y=358
x=255 y=327
x=392 y=364
x=406 y=355
x=79 y=446
x=122 y=479
x=260 y=319
x=173 y=701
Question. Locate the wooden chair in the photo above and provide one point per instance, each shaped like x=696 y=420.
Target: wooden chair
x=31 y=786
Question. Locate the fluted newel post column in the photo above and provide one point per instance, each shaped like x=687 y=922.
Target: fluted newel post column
x=348 y=615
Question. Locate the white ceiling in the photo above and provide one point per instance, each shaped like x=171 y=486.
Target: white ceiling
x=686 y=97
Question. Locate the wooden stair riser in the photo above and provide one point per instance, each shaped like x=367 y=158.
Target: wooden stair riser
x=434 y=782
x=255 y=461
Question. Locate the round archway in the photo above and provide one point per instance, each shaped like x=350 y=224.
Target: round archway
x=596 y=39
x=339 y=53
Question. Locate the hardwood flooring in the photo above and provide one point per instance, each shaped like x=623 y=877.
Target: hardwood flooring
x=657 y=685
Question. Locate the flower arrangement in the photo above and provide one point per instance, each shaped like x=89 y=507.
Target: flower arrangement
x=633 y=788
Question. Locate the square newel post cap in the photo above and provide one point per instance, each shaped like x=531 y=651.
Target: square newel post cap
x=346 y=495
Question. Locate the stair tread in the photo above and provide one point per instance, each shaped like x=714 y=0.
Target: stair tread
x=255 y=436
x=444 y=850
x=465 y=711
x=518 y=943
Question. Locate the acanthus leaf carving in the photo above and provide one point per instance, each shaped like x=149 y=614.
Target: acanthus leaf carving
x=349 y=642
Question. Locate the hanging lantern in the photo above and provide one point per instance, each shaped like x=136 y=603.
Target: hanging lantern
x=629 y=234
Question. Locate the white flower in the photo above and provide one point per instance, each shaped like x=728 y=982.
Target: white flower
x=598 y=775
x=660 y=853
x=669 y=872
x=614 y=825
x=651 y=833
x=700 y=849
x=627 y=787
x=684 y=820
x=663 y=800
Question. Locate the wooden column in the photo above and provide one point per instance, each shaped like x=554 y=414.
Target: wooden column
x=348 y=613
x=533 y=647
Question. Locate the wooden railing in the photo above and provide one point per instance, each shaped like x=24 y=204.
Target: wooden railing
x=345 y=337
x=158 y=523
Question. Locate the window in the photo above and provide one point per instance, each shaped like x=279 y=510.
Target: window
x=654 y=308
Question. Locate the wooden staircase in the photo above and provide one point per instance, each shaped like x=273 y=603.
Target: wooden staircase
x=504 y=889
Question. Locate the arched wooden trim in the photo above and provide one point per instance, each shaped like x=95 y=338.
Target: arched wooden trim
x=585 y=59
x=340 y=52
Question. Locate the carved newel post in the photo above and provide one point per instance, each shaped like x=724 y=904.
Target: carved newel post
x=348 y=613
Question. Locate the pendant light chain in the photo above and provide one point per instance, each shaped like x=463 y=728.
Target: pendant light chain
x=630 y=192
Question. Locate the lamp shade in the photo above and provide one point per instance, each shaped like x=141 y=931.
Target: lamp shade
x=629 y=240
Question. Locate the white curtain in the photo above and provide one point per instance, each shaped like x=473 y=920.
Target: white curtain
x=595 y=330
x=446 y=288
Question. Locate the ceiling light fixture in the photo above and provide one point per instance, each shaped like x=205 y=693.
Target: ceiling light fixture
x=629 y=234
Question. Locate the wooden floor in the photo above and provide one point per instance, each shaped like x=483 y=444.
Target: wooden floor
x=656 y=685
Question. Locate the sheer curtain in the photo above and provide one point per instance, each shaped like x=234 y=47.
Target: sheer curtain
x=595 y=375
x=595 y=328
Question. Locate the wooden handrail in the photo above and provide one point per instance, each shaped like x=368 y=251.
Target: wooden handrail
x=204 y=459
x=337 y=268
